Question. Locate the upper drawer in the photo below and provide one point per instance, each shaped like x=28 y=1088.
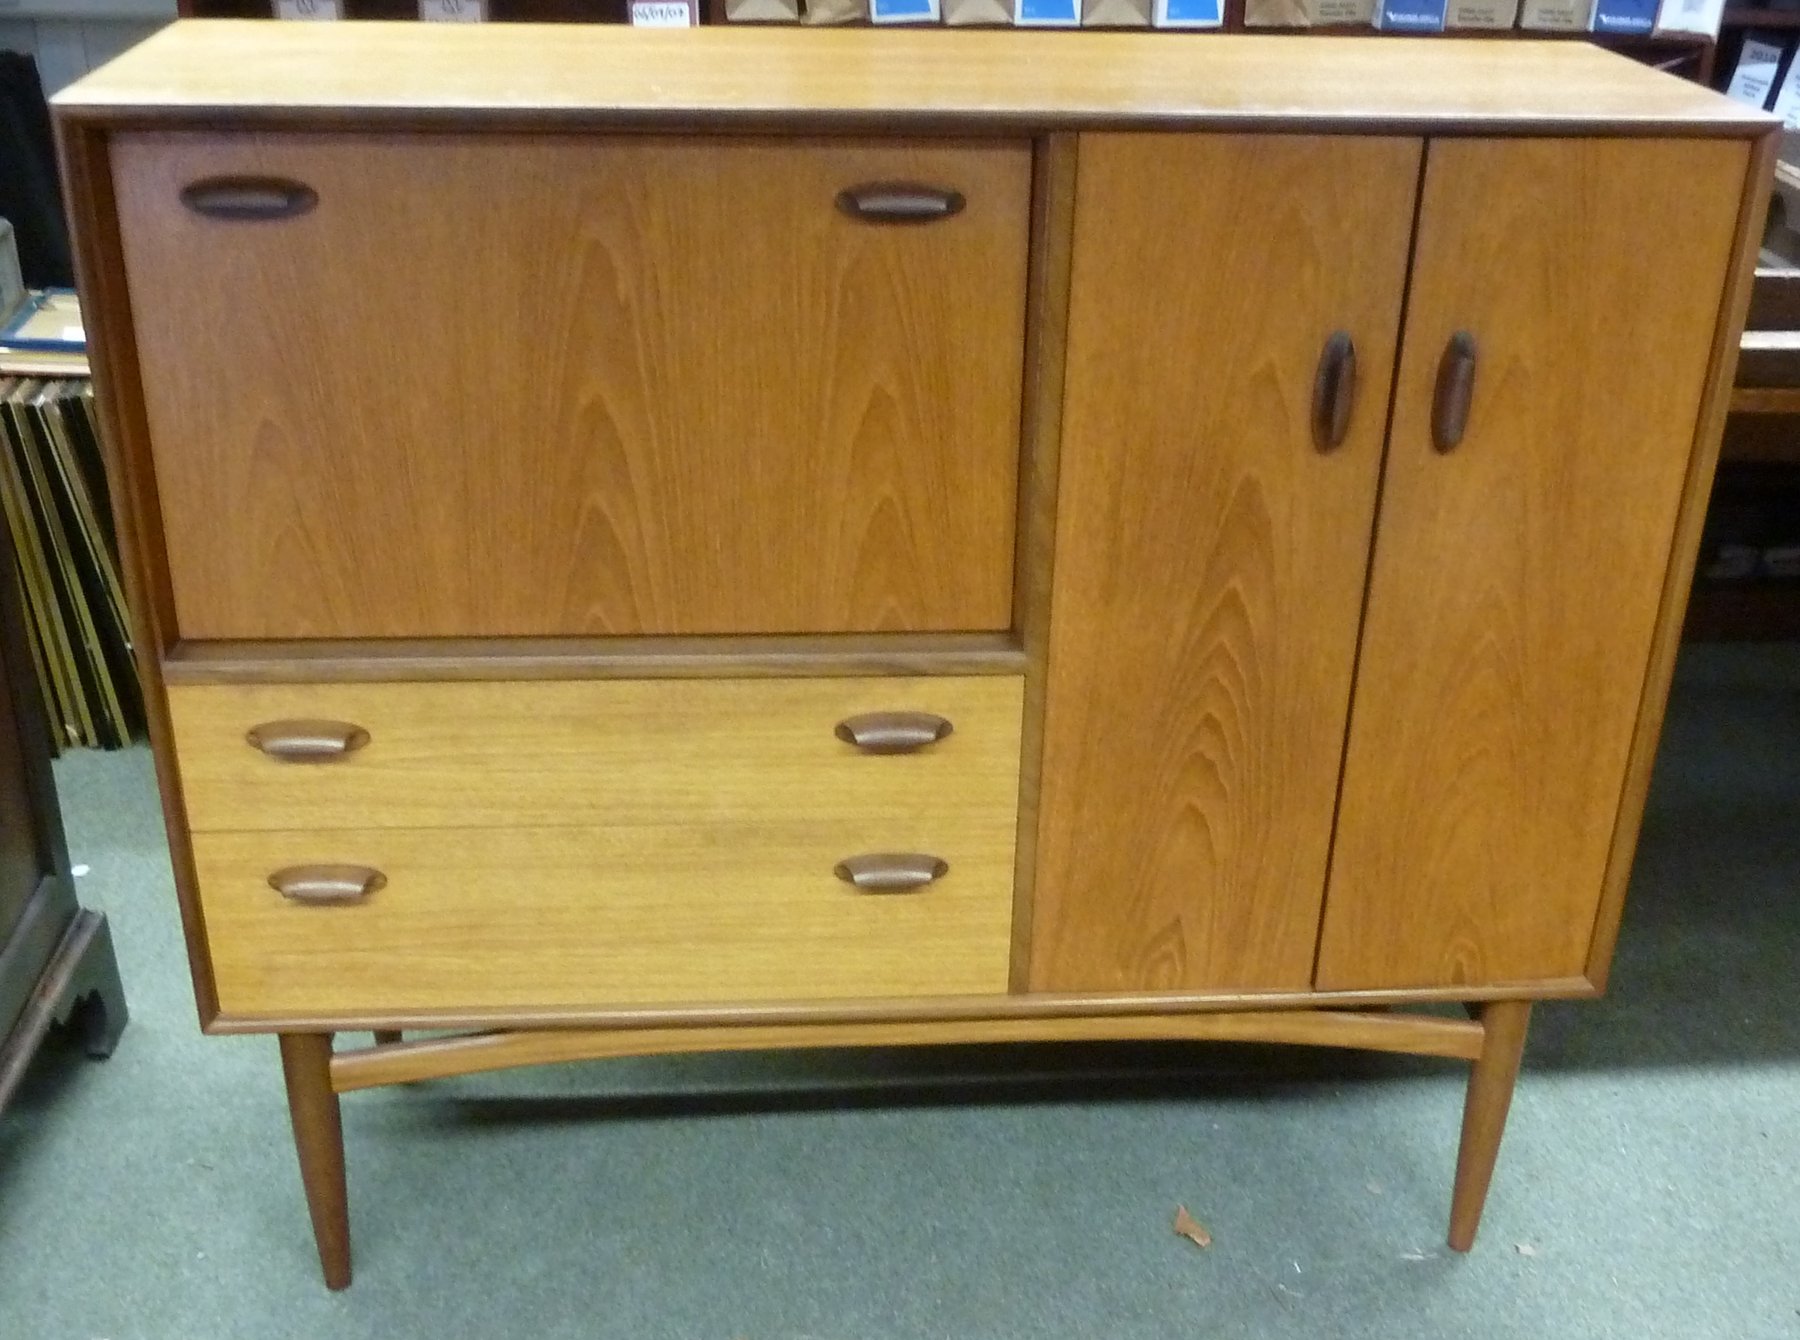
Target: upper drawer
x=496 y=385
x=641 y=753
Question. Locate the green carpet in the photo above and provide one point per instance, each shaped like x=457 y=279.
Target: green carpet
x=1647 y=1187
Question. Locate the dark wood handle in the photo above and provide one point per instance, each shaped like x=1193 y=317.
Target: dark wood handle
x=327 y=883
x=1334 y=391
x=1455 y=391
x=899 y=202
x=891 y=872
x=307 y=741
x=249 y=199
x=893 y=732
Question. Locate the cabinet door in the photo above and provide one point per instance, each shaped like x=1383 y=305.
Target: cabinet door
x=1516 y=576
x=1209 y=556
x=492 y=385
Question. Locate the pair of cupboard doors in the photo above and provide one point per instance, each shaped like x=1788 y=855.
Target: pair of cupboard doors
x=1343 y=680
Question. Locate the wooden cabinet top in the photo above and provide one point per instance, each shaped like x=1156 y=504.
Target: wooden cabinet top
x=609 y=75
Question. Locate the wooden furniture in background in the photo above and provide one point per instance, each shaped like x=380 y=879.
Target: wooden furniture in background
x=56 y=957
x=1155 y=659
x=1760 y=456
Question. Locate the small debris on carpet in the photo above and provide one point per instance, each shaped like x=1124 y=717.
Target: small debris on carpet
x=1190 y=1228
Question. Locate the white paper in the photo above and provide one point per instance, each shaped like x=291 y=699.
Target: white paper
x=1690 y=16
x=309 y=9
x=1755 y=72
x=661 y=14
x=1787 y=102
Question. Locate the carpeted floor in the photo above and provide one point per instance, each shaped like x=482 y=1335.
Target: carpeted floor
x=1647 y=1187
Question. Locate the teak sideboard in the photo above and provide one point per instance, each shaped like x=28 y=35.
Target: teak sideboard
x=655 y=542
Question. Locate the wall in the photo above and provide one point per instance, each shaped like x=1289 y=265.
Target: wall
x=71 y=37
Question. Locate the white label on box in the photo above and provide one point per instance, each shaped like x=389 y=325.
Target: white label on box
x=1755 y=72
x=453 y=11
x=903 y=11
x=1787 y=102
x=1690 y=16
x=309 y=9
x=661 y=14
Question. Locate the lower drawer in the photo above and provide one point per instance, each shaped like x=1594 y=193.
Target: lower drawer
x=623 y=915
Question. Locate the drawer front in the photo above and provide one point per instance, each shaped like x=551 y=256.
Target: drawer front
x=592 y=753
x=547 y=917
x=496 y=385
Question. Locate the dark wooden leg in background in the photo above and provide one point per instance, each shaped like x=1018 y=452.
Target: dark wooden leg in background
x=383 y=1036
x=95 y=997
x=319 y=1139
x=1484 y=1114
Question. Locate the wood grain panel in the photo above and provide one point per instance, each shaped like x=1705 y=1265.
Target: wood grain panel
x=1210 y=559
x=1752 y=216
x=1516 y=579
x=434 y=1058
x=497 y=385
x=595 y=74
x=682 y=909
x=487 y=755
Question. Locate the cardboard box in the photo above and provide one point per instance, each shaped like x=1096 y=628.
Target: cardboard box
x=1556 y=16
x=762 y=11
x=1115 y=13
x=821 y=13
x=1481 y=13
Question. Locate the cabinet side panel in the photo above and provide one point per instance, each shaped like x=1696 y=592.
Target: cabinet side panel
x=124 y=437
x=1517 y=576
x=1210 y=558
x=1752 y=215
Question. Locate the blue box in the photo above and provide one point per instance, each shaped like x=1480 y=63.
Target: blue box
x=1048 y=14
x=1624 y=16
x=1411 y=16
x=1188 y=14
x=903 y=11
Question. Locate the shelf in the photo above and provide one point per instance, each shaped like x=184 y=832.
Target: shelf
x=1758 y=16
x=1766 y=400
x=1750 y=613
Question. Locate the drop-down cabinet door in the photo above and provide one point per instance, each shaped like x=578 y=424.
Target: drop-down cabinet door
x=1562 y=306
x=483 y=385
x=1231 y=338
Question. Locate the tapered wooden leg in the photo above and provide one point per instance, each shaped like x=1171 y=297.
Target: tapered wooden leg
x=319 y=1139
x=383 y=1036
x=1484 y=1113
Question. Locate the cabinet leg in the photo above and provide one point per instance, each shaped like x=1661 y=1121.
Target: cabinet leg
x=319 y=1140
x=1484 y=1113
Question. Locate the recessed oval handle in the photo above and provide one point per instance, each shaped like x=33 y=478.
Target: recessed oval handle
x=307 y=741
x=893 y=732
x=327 y=883
x=1334 y=391
x=1455 y=392
x=899 y=202
x=249 y=199
x=891 y=872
